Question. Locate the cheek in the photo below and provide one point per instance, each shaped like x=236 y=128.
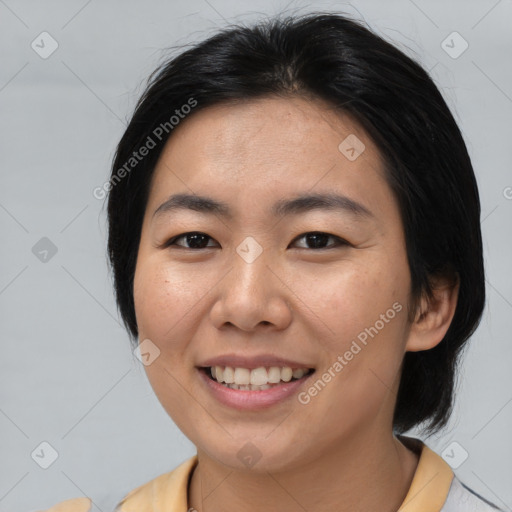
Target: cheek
x=343 y=302
x=163 y=297
x=162 y=302
x=368 y=314
x=361 y=314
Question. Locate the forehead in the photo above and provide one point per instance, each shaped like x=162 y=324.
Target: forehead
x=266 y=148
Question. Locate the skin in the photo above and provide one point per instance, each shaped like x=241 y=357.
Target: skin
x=296 y=301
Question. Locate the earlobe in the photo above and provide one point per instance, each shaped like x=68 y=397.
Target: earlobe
x=434 y=315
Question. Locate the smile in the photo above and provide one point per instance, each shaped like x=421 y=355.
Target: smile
x=256 y=388
x=257 y=379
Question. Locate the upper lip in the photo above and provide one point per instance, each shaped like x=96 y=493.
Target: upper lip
x=251 y=362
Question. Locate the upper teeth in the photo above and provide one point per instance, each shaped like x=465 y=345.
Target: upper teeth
x=258 y=376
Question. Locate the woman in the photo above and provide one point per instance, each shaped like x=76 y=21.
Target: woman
x=294 y=233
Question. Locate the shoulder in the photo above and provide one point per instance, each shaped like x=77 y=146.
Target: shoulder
x=168 y=489
x=74 y=505
x=463 y=499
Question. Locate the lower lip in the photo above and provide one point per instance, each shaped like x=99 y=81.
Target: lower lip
x=251 y=400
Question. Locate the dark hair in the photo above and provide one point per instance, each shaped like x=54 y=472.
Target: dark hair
x=340 y=61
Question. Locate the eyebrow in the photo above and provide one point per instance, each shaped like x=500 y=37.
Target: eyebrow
x=283 y=207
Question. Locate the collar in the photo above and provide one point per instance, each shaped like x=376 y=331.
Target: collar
x=431 y=481
x=427 y=493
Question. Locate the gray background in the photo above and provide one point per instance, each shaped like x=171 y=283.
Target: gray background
x=68 y=376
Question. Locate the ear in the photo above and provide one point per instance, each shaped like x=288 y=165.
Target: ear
x=434 y=316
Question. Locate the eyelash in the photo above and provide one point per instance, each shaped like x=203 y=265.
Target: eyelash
x=339 y=241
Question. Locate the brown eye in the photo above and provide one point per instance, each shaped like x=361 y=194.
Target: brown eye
x=318 y=240
x=194 y=239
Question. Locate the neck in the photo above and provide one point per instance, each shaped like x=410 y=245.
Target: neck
x=366 y=473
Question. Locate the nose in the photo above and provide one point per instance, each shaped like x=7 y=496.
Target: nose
x=252 y=296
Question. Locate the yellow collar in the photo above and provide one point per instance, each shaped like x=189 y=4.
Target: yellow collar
x=431 y=481
x=427 y=493
x=167 y=492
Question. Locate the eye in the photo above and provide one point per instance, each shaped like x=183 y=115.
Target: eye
x=195 y=239
x=318 y=239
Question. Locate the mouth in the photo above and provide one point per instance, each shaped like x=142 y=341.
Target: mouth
x=253 y=382
x=255 y=379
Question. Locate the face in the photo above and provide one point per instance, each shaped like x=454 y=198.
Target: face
x=312 y=285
